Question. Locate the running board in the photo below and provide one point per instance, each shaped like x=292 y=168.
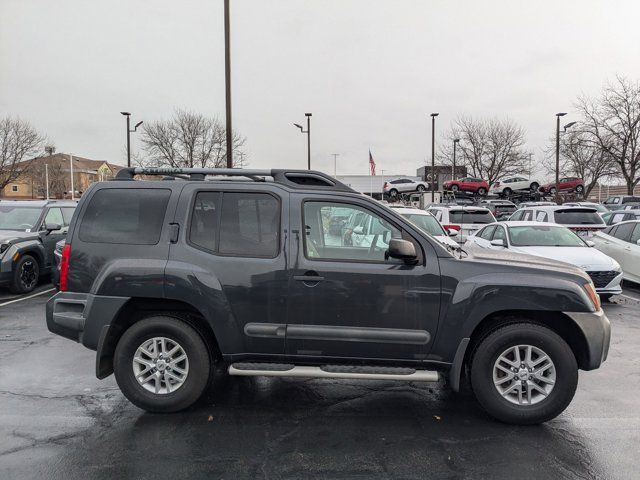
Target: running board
x=333 y=371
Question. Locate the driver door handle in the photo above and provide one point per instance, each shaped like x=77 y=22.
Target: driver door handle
x=309 y=277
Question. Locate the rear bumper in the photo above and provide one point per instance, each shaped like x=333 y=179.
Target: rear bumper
x=596 y=328
x=81 y=316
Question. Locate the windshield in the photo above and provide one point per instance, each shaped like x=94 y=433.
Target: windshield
x=578 y=216
x=471 y=216
x=18 y=218
x=544 y=236
x=426 y=223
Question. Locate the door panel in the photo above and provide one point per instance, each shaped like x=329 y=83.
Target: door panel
x=347 y=301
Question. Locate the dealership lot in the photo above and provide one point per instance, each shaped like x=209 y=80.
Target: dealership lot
x=58 y=421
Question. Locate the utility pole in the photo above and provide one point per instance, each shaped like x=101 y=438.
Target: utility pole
x=453 y=168
x=558 y=115
x=227 y=84
x=335 y=163
x=433 y=156
x=71 y=167
x=46 y=179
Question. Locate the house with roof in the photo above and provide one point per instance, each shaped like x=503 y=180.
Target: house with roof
x=52 y=174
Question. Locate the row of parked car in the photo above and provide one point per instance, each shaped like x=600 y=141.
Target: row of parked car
x=504 y=188
x=605 y=244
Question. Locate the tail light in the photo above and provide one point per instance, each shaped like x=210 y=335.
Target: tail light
x=452 y=227
x=64 y=267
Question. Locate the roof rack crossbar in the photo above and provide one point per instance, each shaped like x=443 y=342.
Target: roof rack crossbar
x=292 y=178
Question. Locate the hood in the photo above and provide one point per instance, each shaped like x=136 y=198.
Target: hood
x=507 y=257
x=446 y=240
x=583 y=257
x=9 y=235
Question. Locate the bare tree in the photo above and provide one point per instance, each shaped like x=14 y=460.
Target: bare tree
x=489 y=148
x=585 y=159
x=612 y=123
x=59 y=181
x=188 y=140
x=19 y=141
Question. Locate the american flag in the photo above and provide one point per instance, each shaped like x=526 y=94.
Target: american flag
x=372 y=164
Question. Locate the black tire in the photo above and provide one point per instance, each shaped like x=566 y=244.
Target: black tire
x=492 y=346
x=534 y=187
x=421 y=188
x=579 y=189
x=507 y=191
x=482 y=191
x=393 y=193
x=455 y=188
x=552 y=190
x=26 y=274
x=194 y=347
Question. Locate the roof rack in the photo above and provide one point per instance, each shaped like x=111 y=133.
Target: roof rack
x=292 y=178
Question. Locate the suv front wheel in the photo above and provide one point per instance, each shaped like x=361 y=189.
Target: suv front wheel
x=161 y=364
x=524 y=374
x=26 y=274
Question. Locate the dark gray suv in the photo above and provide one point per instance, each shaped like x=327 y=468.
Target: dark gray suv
x=244 y=268
x=29 y=231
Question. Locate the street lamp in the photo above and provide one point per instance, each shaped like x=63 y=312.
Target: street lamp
x=129 y=132
x=558 y=115
x=308 y=132
x=433 y=155
x=453 y=168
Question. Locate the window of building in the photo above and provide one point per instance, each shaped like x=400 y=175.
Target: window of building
x=14 y=188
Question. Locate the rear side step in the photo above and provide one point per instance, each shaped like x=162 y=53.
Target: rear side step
x=333 y=371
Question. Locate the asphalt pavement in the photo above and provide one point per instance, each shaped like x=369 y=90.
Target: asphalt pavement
x=57 y=421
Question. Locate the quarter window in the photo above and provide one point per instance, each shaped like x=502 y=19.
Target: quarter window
x=487 y=232
x=499 y=234
x=125 y=216
x=329 y=235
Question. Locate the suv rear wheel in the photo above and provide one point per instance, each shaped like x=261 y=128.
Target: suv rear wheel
x=524 y=374
x=161 y=364
x=26 y=274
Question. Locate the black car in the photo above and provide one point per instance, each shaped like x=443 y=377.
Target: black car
x=29 y=231
x=164 y=279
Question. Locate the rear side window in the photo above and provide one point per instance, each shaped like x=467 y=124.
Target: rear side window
x=125 y=215
x=249 y=225
x=470 y=216
x=204 y=220
x=577 y=217
x=624 y=230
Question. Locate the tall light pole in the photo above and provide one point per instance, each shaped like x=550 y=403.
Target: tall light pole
x=129 y=132
x=335 y=163
x=453 y=168
x=308 y=132
x=227 y=84
x=558 y=115
x=433 y=156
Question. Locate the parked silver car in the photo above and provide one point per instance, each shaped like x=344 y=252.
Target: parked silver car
x=404 y=185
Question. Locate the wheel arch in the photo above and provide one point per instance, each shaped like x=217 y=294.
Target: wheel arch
x=138 y=308
x=557 y=322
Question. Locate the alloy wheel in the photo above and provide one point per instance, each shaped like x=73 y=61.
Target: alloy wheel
x=160 y=365
x=28 y=275
x=524 y=375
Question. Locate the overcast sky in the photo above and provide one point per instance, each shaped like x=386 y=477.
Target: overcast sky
x=369 y=70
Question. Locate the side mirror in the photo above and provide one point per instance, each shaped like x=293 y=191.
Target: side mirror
x=498 y=242
x=638 y=242
x=51 y=227
x=402 y=249
x=452 y=232
x=590 y=243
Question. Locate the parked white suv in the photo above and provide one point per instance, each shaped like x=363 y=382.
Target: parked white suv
x=404 y=185
x=466 y=220
x=507 y=186
x=584 y=221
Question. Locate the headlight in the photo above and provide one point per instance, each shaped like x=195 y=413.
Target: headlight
x=590 y=289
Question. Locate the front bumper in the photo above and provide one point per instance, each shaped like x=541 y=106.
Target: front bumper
x=596 y=328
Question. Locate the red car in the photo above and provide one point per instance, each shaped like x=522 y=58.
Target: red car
x=567 y=184
x=467 y=184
